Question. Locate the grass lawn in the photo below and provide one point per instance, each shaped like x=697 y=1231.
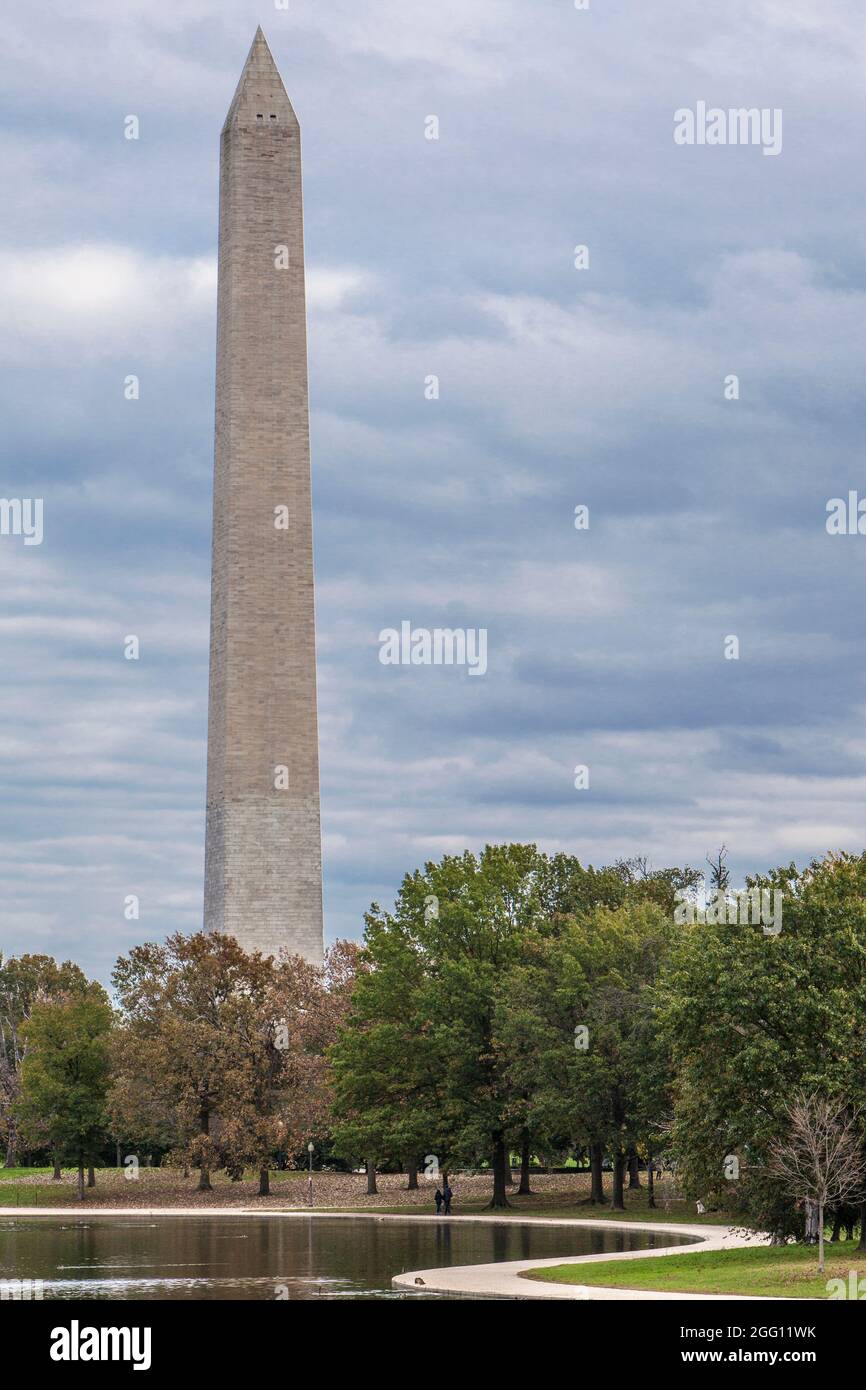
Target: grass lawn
x=555 y=1207
x=32 y=1187
x=17 y=1191
x=786 y=1271
x=561 y=1197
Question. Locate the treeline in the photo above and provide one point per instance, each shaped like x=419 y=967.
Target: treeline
x=510 y=1002
x=212 y=1057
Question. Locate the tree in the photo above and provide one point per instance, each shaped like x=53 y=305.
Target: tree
x=576 y=1023
x=232 y=1045
x=753 y=1018
x=720 y=874
x=65 y=1074
x=24 y=980
x=141 y=1110
x=416 y=1065
x=461 y=1038
x=277 y=1079
x=173 y=999
x=820 y=1159
x=384 y=1075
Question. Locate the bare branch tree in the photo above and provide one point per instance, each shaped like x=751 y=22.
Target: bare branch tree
x=720 y=874
x=821 y=1161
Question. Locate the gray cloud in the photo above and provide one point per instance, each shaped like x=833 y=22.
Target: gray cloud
x=558 y=387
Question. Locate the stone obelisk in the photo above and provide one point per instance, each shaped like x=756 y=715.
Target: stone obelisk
x=263 y=858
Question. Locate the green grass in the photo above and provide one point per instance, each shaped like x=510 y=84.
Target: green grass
x=18 y=1188
x=15 y=1191
x=788 y=1271
x=556 y=1207
x=24 y=1195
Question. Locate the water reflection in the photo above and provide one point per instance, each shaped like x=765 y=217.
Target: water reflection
x=271 y=1257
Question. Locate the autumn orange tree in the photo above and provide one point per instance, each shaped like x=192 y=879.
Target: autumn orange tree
x=229 y=1045
x=277 y=1080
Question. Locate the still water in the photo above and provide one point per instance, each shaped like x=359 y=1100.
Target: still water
x=269 y=1257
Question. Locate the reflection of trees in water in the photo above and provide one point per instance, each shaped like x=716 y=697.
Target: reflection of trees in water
x=443 y=1241
x=249 y=1257
x=500 y=1242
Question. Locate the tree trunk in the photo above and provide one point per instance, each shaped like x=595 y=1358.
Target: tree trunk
x=264 y=1183
x=862 y=1245
x=596 y=1158
x=81 y=1177
x=524 y=1190
x=91 y=1176
x=633 y=1169
x=618 y=1181
x=412 y=1167
x=372 y=1189
x=500 y=1172
x=57 y=1175
x=820 y=1237
x=11 y=1155
x=204 y=1182
x=650 y=1182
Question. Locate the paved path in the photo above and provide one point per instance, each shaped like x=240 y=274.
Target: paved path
x=504 y=1280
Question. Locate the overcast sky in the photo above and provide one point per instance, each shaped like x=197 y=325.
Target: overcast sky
x=558 y=387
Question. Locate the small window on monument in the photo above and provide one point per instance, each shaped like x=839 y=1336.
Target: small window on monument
x=273 y=118
x=259 y=116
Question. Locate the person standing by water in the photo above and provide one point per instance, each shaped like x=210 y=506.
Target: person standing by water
x=447 y=1195
x=438 y=1199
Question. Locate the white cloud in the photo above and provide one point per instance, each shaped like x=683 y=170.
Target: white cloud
x=93 y=299
x=332 y=288
x=97 y=298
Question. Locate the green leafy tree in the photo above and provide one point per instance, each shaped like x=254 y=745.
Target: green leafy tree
x=755 y=1017
x=460 y=1042
x=384 y=1072
x=416 y=1064
x=576 y=1023
x=65 y=1074
x=24 y=980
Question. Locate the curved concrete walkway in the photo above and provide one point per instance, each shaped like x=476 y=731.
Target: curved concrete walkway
x=504 y=1280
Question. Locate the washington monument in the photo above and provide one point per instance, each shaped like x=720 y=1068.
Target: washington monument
x=263 y=857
